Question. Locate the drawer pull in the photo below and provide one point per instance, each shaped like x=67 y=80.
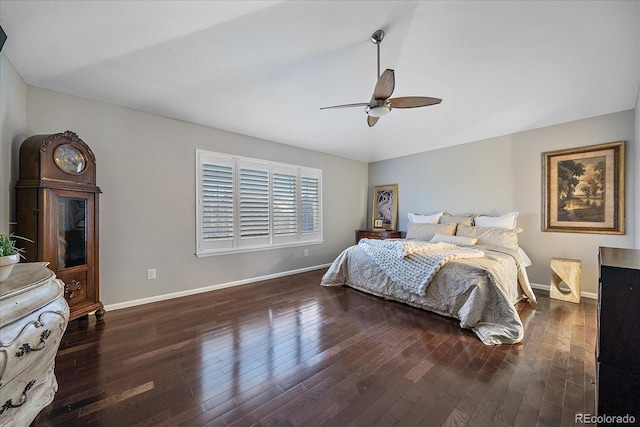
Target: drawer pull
x=23 y=399
x=26 y=347
x=71 y=288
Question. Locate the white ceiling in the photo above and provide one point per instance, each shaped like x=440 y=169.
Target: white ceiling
x=265 y=68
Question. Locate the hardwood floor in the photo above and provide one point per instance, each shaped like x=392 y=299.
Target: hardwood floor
x=291 y=352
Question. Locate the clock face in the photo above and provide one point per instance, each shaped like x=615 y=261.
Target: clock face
x=69 y=159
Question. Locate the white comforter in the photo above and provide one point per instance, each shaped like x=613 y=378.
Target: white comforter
x=481 y=292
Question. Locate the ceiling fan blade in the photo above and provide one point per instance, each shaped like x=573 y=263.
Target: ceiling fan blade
x=360 y=104
x=386 y=84
x=413 y=101
x=372 y=120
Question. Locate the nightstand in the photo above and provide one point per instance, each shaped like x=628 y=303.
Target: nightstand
x=377 y=234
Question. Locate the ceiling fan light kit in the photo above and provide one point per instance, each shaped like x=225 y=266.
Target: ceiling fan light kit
x=378 y=110
x=381 y=102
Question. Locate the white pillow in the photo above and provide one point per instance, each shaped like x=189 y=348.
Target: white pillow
x=456 y=240
x=508 y=220
x=425 y=219
x=458 y=219
x=496 y=236
x=427 y=231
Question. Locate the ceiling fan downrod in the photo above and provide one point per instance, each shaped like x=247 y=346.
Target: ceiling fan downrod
x=376 y=38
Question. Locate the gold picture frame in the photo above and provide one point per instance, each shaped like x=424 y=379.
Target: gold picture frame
x=384 y=209
x=583 y=189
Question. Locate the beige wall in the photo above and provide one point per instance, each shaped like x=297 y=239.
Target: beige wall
x=146 y=170
x=501 y=175
x=13 y=123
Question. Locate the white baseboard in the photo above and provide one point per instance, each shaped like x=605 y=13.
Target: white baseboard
x=584 y=294
x=164 y=297
x=172 y=295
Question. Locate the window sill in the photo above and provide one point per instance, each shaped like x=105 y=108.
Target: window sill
x=233 y=251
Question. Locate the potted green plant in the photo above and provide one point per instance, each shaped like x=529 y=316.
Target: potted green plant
x=9 y=254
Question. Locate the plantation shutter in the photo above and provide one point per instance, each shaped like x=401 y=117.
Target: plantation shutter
x=253 y=202
x=310 y=203
x=248 y=204
x=285 y=204
x=216 y=202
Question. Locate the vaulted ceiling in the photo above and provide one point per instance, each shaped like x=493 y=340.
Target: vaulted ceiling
x=264 y=68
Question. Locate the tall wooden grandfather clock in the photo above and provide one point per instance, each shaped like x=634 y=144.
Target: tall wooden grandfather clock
x=57 y=208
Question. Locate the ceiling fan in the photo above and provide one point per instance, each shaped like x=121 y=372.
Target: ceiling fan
x=381 y=103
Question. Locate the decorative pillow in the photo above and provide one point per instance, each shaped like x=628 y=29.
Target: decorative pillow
x=491 y=236
x=458 y=219
x=427 y=231
x=456 y=240
x=425 y=219
x=508 y=220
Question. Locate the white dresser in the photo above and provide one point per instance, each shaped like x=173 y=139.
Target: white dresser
x=33 y=317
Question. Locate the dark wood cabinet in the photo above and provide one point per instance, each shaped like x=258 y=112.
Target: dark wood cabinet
x=57 y=208
x=377 y=234
x=618 y=342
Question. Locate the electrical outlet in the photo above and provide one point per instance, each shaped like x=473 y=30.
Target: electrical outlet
x=151 y=273
x=306 y=252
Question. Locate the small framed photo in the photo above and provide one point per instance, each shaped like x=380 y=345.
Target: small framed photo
x=583 y=189
x=384 y=212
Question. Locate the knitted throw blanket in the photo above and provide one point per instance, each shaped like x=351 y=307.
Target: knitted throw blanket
x=412 y=265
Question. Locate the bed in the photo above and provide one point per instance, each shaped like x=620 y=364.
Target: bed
x=475 y=274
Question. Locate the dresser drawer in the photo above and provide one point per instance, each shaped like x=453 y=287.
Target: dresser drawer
x=25 y=341
x=617 y=392
x=26 y=394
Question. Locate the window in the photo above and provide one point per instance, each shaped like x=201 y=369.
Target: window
x=248 y=204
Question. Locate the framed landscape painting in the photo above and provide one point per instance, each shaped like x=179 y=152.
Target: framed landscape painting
x=583 y=189
x=384 y=212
